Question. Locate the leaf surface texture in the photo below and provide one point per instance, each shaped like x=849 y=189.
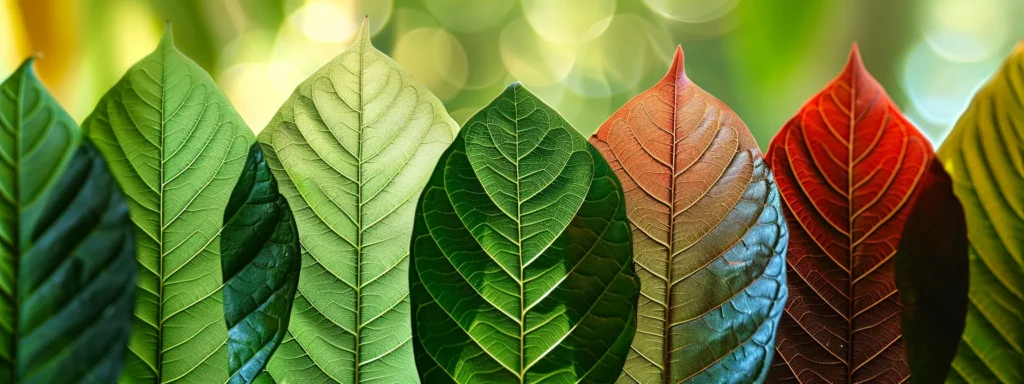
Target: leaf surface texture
x=983 y=155
x=351 y=149
x=67 y=266
x=260 y=261
x=709 y=237
x=849 y=167
x=176 y=146
x=522 y=265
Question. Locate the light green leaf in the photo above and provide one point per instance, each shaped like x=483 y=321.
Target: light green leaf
x=522 y=263
x=260 y=261
x=985 y=159
x=176 y=146
x=351 y=150
x=67 y=268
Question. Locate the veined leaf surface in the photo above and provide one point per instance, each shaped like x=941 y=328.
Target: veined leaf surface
x=260 y=261
x=849 y=167
x=983 y=156
x=522 y=267
x=351 y=150
x=176 y=146
x=67 y=266
x=708 y=235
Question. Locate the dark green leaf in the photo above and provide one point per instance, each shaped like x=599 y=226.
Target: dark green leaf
x=260 y=262
x=67 y=263
x=522 y=267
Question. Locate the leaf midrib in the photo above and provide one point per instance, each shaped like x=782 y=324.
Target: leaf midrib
x=359 y=218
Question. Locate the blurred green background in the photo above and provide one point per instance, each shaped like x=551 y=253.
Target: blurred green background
x=584 y=57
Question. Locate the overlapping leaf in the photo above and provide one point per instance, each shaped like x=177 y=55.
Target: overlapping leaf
x=260 y=261
x=849 y=167
x=983 y=156
x=708 y=235
x=67 y=267
x=176 y=146
x=521 y=267
x=351 y=150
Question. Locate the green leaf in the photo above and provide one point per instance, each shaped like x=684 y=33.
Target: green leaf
x=522 y=263
x=67 y=270
x=351 y=150
x=260 y=261
x=983 y=156
x=176 y=146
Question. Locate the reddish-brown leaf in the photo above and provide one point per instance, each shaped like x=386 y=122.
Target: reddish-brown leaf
x=849 y=167
x=708 y=236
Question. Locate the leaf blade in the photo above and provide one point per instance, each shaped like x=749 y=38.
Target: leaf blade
x=983 y=163
x=260 y=258
x=507 y=285
x=703 y=205
x=175 y=144
x=68 y=272
x=350 y=150
x=850 y=168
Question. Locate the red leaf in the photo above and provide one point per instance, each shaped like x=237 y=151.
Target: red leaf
x=849 y=167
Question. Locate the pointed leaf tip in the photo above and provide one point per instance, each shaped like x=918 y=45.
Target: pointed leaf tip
x=677 y=71
x=364 y=29
x=168 y=36
x=854 y=62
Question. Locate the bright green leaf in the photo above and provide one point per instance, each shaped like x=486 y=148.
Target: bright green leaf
x=260 y=261
x=522 y=263
x=176 y=146
x=351 y=150
x=983 y=155
x=67 y=270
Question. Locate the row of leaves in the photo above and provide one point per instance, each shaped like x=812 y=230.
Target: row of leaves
x=512 y=250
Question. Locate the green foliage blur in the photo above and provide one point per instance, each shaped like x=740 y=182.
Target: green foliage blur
x=764 y=58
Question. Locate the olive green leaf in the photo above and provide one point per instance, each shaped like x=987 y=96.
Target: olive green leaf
x=522 y=262
x=176 y=146
x=983 y=155
x=67 y=267
x=351 y=150
x=260 y=261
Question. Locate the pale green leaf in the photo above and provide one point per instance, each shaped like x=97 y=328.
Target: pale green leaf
x=351 y=150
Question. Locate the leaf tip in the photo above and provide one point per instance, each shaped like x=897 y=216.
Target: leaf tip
x=364 y=29
x=168 y=37
x=677 y=71
x=854 y=62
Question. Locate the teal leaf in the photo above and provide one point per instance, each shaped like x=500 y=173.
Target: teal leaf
x=260 y=261
x=522 y=264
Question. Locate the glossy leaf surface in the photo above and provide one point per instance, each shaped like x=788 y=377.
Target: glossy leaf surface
x=522 y=267
x=67 y=265
x=176 y=146
x=351 y=150
x=260 y=262
x=708 y=235
x=849 y=167
x=983 y=156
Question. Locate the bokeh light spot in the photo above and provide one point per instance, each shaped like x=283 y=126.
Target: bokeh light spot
x=692 y=11
x=531 y=59
x=938 y=88
x=469 y=16
x=338 y=20
x=957 y=37
x=257 y=90
x=569 y=21
x=435 y=58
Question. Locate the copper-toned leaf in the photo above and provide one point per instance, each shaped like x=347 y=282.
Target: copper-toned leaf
x=708 y=235
x=850 y=167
